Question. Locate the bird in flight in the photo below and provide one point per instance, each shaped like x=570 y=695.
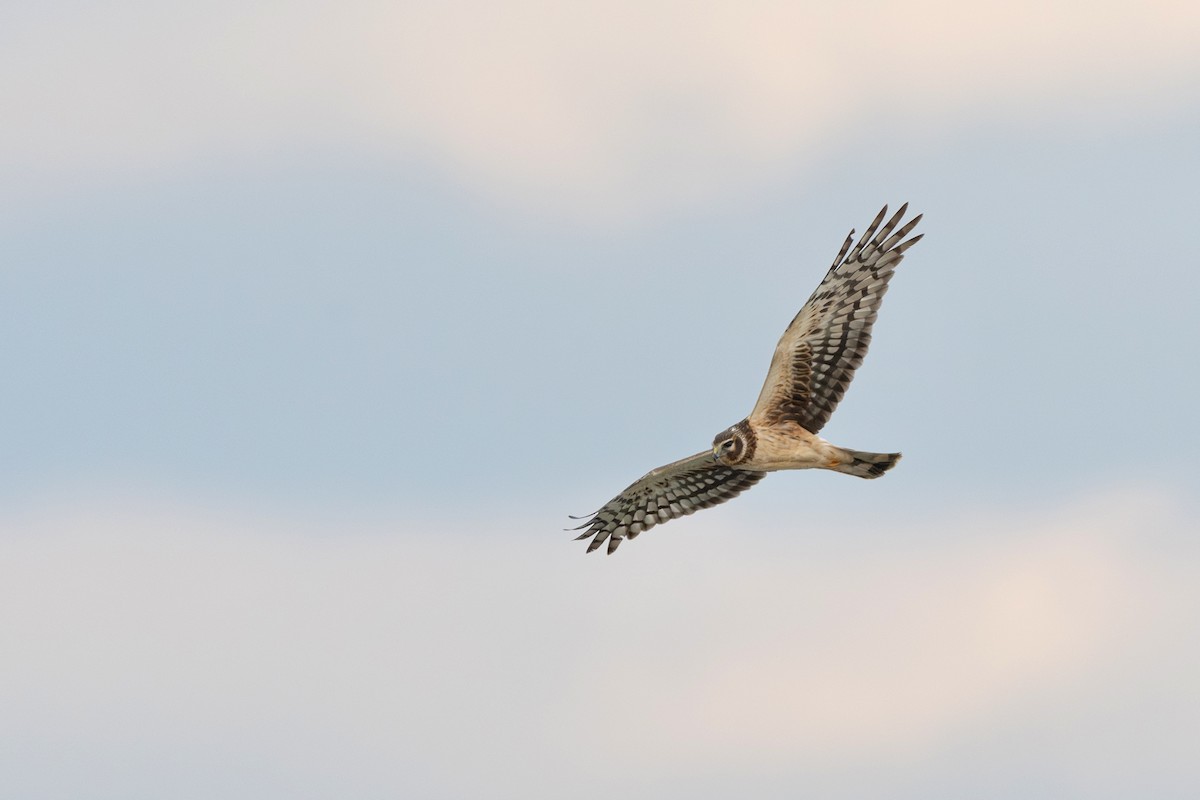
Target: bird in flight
x=813 y=364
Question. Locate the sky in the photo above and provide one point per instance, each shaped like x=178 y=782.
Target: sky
x=317 y=322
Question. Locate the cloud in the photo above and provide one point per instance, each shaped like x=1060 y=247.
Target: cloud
x=595 y=109
x=151 y=644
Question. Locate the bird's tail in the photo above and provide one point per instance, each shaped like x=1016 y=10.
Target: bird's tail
x=865 y=465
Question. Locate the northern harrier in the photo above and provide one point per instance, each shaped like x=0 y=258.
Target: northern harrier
x=812 y=366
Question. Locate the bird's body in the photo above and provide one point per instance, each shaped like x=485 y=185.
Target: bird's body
x=768 y=448
x=787 y=445
x=813 y=364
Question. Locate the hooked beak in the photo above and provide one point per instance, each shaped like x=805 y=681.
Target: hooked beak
x=716 y=453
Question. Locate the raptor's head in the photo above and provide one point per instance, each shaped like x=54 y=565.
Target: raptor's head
x=734 y=445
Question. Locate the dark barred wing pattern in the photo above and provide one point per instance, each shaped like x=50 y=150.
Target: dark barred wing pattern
x=817 y=355
x=666 y=493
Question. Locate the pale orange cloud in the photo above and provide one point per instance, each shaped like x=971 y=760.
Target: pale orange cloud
x=487 y=656
x=590 y=108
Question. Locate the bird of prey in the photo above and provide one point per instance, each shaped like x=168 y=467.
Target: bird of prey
x=812 y=366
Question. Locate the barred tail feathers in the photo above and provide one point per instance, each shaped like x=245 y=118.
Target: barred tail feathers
x=862 y=464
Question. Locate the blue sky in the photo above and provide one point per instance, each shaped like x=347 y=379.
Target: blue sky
x=300 y=332
x=318 y=322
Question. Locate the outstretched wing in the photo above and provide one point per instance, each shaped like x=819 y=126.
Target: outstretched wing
x=663 y=494
x=818 y=353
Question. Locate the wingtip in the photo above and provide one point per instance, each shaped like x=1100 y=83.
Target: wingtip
x=903 y=246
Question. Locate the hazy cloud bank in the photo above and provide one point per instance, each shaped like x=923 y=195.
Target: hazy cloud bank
x=605 y=109
x=151 y=646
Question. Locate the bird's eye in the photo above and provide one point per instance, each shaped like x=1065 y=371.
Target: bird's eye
x=729 y=444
